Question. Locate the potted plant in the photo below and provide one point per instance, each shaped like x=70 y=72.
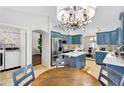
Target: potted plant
x=40 y=43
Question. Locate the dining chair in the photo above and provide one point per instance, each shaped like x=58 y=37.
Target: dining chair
x=109 y=77
x=24 y=76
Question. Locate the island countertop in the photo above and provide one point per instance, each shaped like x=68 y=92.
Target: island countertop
x=112 y=59
x=73 y=54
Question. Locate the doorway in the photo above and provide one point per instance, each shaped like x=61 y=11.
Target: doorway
x=36 y=47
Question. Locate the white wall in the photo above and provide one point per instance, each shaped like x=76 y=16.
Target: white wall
x=9 y=35
x=22 y=19
x=23 y=47
x=46 y=49
x=31 y=22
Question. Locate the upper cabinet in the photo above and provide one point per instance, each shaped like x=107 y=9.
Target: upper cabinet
x=122 y=27
x=103 y=38
x=119 y=34
x=55 y=34
x=110 y=37
x=114 y=37
x=70 y=39
x=74 y=39
x=100 y=38
x=107 y=38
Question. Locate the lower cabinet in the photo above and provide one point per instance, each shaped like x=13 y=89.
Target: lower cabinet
x=118 y=69
x=76 y=62
x=12 y=59
x=100 y=57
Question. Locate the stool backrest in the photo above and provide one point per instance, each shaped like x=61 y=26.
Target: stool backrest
x=27 y=73
x=109 y=77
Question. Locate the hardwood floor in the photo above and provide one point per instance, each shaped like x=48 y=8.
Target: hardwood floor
x=6 y=77
x=36 y=59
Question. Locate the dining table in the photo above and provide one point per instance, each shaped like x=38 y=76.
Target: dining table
x=65 y=77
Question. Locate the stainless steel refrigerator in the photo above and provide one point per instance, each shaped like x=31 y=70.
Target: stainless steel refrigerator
x=56 y=48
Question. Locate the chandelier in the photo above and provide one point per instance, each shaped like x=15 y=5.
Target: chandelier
x=75 y=17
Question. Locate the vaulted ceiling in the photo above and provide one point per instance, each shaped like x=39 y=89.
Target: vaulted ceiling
x=105 y=19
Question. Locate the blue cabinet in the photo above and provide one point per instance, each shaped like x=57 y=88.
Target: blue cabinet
x=74 y=39
x=114 y=37
x=69 y=39
x=119 y=35
x=100 y=57
x=76 y=62
x=118 y=69
x=100 y=38
x=103 y=38
x=122 y=27
x=107 y=38
x=55 y=34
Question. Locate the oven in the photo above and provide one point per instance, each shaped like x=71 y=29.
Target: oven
x=2 y=64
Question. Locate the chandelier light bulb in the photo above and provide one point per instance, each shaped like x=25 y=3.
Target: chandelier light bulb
x=74 y=17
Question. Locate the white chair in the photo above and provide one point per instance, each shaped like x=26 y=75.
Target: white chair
x=60 y=61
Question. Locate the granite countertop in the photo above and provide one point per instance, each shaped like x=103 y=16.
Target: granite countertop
x=112 y=59
x=74 y=54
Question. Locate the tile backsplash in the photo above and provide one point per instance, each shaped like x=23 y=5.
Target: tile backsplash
x=9 y=35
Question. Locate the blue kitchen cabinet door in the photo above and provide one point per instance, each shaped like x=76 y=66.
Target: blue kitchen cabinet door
x=69 y=39
x=100 y=57
x=73 y=39
x=76 y=39
x=100 y=38
x=107 y=38
x=63 y=37
x=119 y=69
x=76 y=62
x=123 y=31
x=81 y=61
x=55 y=34
x=122 y=26
x=119 y=35
x=114 y=37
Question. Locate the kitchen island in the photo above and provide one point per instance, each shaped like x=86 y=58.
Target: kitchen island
x=75 y=59
x=114 y=62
